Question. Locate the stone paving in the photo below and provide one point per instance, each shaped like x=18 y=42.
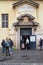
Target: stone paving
x=23 y=57
x=21 y=63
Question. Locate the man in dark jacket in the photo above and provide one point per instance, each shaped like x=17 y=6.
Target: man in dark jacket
x=3 y=45
x=11 y=45
x=40 y=44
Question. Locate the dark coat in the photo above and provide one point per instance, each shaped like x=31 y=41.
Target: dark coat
x=40 y=42
x=3 y=43
x=11 y=43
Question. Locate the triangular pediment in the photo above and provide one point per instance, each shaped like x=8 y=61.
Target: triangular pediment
x=26 y=1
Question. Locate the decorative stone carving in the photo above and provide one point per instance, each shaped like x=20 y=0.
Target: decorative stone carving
x=16 y=29
x=26 y=1
x=25 y=8
x=25 y=19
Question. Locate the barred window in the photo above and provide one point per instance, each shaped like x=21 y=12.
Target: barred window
x=4 y=20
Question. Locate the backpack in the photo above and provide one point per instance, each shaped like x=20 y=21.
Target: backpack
x=7 y=44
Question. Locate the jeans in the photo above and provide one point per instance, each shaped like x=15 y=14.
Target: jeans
x=40 y=47
x=7 y=51
x=3 y=49
x=10 y=49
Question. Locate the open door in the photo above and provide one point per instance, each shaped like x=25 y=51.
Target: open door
x=33 y=42
x=24 y=33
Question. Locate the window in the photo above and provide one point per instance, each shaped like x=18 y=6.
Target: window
x=4 y=20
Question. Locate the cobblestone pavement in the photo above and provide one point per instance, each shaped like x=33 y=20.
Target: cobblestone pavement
x=21 y=63
x=23 y=56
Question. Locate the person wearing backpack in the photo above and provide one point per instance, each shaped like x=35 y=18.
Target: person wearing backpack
x=7 y=47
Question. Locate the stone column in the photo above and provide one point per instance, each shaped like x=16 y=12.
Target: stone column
x=16 y=29
x=33 y=31
x=18 y=38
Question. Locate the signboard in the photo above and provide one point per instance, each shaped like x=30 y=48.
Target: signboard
x=32 y=39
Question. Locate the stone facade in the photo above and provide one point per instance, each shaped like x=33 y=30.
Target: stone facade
x=14 y=11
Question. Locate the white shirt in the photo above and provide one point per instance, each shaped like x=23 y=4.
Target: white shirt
x=27 y=41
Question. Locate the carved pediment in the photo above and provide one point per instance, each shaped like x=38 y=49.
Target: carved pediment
x=30 y=23
x=26 y=16
x=26 y=1
x=26 y=20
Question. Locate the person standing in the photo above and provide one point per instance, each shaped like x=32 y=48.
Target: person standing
x=27 y=43
x=23 y=44
x=11 y=45
x=40 y=44
x=3 y=45
x=7 y=47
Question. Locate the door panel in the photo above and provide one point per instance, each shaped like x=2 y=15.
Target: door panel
x=33 y=42
x=26 y=31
